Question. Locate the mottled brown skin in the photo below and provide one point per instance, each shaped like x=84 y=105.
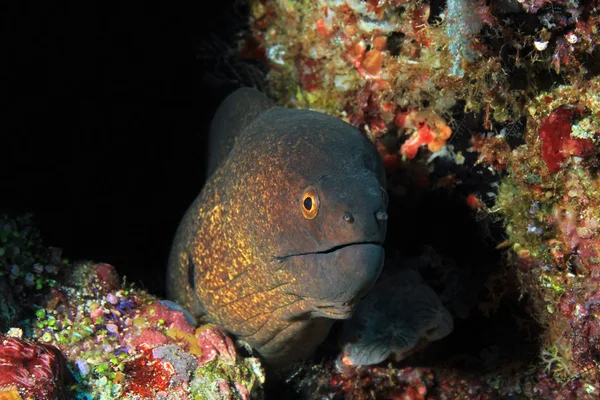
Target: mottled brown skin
x=244 y=253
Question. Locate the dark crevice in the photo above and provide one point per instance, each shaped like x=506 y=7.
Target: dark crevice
x=436 y=8
x=394 y=43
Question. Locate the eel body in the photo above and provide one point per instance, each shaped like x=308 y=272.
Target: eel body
x=285 y=237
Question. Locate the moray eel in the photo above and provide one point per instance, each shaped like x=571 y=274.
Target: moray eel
x=286 y=235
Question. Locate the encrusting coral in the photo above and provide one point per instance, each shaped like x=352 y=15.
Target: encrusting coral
x=111 y=339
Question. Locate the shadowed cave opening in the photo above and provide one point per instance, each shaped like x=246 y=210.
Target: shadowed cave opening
x=490 y=335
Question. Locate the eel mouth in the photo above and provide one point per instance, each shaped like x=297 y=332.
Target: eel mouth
x=333 y=295
x=329 y=250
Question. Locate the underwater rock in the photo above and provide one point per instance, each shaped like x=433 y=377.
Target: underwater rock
x=400 y=311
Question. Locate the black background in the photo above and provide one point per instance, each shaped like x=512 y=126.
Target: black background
x=105 y=119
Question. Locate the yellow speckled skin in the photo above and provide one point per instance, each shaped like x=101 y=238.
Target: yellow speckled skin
x=246 y=256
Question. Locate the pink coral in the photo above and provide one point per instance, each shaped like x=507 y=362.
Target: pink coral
x=159 y=313
x=150 y=336
x=214 y=342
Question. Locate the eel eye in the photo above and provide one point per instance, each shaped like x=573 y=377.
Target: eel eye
x=310 y=203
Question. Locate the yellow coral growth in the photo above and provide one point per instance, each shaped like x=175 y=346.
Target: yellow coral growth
x=10 y=393
x=188 y=338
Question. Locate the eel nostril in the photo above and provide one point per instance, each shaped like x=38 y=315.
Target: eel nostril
x=381 y=216
x=348 y=218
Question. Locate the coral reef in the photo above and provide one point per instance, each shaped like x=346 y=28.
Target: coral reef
x=493 y=108
x=493 y=102
x=372 y=62
x=116 y=340
x=550 y=201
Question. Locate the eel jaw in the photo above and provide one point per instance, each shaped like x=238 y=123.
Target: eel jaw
x=333 y=281
x=327 y=251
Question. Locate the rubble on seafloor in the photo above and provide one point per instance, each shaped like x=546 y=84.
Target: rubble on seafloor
x=76 y=331
x=493 y=102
